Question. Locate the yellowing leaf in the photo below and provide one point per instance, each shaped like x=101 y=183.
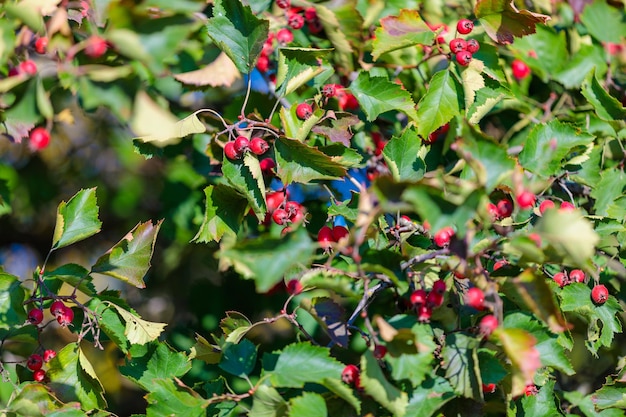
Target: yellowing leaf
x=139 y=331
x=220 y=73
x=472 y=81
x=502 y=21
x=160 y=127
x=519 y=346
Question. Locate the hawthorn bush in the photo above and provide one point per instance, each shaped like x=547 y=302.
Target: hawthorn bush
x=359 y=208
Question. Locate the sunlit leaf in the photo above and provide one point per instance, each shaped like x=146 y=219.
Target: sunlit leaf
x=604 y=21
x=223 y=213
x=375 y=383
x=74 y=275
x=519 y=346
x=309 y=404
x=503 y=22
x=152 y=362
x=205 y=351
x=320 y=366
x=462 y=370
x=219 y=73
x=297 y=66
x=402 y=156
x=298 y=162
x=267 y=402
x=377 y=95
x=245 y=177
x=606 y=106
x=542 y=403
x=396 y=32
x=139 y=331
x=77 y=219
x=429 y=397
x=443 y=100
x=167 y=398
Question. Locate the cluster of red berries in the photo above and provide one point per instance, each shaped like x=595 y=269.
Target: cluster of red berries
x=327 y=236
x=282 y=211
x=563 y=278
x=425 y=301
x=443 y=236
x=27 y=67
x=63 y=314
x=235 y=149
x=462 y=49
x=296 y=18
x=35 y=363
x=548 y=204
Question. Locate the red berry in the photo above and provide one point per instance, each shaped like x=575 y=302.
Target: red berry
x=489 y=388
x=442 y=237
x=599 y=294
x=418 y=297
x=545 y=205
x=567 y=206
x=263 y=63
x=280 y=216
x=28 y=67
x=330 y=90
x=339 y=232
x=520 y=69
x=530 y=390
x=96 y=47
x=347 y=101
x=487 y=325
x=41 y=44
x=284 y=36
x=458 y=45
x=560 y=279
x=295 y=21
x=310 y=14
x=283 y=4
x=39 y=138
x=505 y=207
x=439 y=287
x=439 y=133
x=434 y=299
x=499 y=264
x=57 y=308
x=48 y=355
x=576 y=275
x=525 y=199
x=463 y=58
x=492 y=209
x=274 y=200
x=35 y=316
x=535 y=238
x=464 y=26
x=472 y=46
x=380 y=351
x=66 y=317
x=230 y=151
x=294 y=287
x=304 y=111
x=267 y=164
x=259 y=146
x=242 y=144
x=325 y=237
x=39 y=375
x=350 y=375
x=34 y=362
x=424 y=312
x=475 y=298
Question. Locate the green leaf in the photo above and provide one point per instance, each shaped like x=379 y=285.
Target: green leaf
x=603 y=319
x=587 y=58
x=502 y=21
x=238 y=359
x=443 y=100
x=296 y=67
x=378 y=95
x=569 y=235
x=545 y=52
x=610 y=396
x=205 y=351
x=33 y=400
x=402 y=156
x=606 y=106
x=412 y=367
x=77 y=219
x=267 y=402
x=486 y=99
x=72 y=378
x=294 y=127
x=267 y=260
x=238 y=32
x=402 y=31
x=604 y=22
x=343 y=391
x=246 y=177
x=27 y=12
x=343 y=155
x=12 y=296
x=519 y=346
x=340 y=22
x=429 y=397
x=43 y=101
x=297 y=162
x=223 y=213
x=129 y=260
x=288 y=371
x=462 y=366
x=308 y=404
x=74 y=275
x=607 y=190
x=168 y=399
x=139 y=331
x=375 y=384
x=5 y=198
x=543 y=403
x=153 y=362
x=110 y=322
x=547 y=145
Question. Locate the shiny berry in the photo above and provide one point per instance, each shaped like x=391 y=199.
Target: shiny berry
x=41 y=45
x=230 y=151
x=487 y=325
x=39 y=375
x=418 y=297
x=284 y=36
x=545 y=205
x=330 y=90
x=48 y=355
x=39 y=138
x=499 y=264
x=96 y=47
x=34 y=362
x=258 y=146
x=241 y=144
x=505 y=207
x=463 y=58
x=294 y=287
x=442 y=237
x=274 y=200
x=263 y=63
x=280 y=217
x=424 y=312
x=489 y=388
x=472 y=46
x=492 y=209
x=350 y=375
x=567 y=206
x=458 y=45
x=475 y=298
x=295 y=21
x=380 y=351
x=434 y=299
x=560 y=279
x=530 y=390
x=520 y=69
x=57 y=308
x=325 y=237
x=310 y=14
x=599 y=294
x=526 y=199
x=283 y=4
x=439 y=287
x=267 y=165
x=35 y=316
x=464 y=26
x=28 y=67
x=339 y=232
x=576 y=275
x=304 y=111
x=66 y=317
